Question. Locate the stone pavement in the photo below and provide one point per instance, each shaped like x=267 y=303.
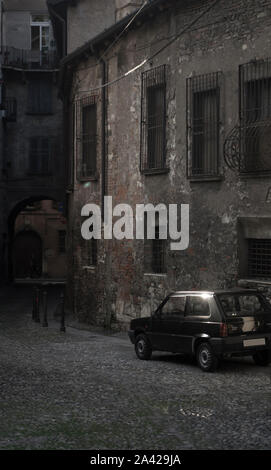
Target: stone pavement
x=85 y=390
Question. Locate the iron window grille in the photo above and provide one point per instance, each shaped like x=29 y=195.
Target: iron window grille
x=255 y=116
x=158 y=254
x=154 y=251
x=86 y=119
x=153 y=120
x=40 y=154
x=91 y=252
x=203 y=124
x=259 y=258
x=62 y=241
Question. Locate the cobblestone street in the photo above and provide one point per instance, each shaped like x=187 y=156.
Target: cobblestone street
x=85 y=390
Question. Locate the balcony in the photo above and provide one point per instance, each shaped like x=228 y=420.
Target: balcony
x=27 y=59
x=247 y=148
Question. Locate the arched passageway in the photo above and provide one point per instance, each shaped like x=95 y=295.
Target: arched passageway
x=27 y=255
x=36 y=240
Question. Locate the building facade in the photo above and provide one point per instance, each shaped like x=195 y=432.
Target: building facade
x=33 y=166
x=171 y=107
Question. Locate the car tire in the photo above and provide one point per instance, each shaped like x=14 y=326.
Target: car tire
x=262 y=358
x=206 y=359
x=143 y=347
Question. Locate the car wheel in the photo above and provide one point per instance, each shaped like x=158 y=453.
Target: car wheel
x=206 y=358
x=142 y=347
x=262 y=358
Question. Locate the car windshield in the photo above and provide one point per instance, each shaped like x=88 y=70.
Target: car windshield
x=243 y=304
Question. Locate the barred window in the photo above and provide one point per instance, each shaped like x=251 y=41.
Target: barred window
x=255 y=116
x=203 y=122
x=91 y=252
x=62 y=241
x=87 y=136
x=154 y=250
x=158 y=253
x=259 y=258
x=40 y=92
x=153 y=120
x=40 y=154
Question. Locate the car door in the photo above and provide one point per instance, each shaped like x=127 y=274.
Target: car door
x=196 y=320
x=167 y=324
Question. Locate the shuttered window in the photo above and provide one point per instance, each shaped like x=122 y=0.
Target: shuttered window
x=40 y=96
x=40 y=153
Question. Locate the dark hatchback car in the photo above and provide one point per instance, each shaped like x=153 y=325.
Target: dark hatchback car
x=208 y=326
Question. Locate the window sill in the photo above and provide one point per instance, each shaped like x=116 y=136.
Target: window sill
x=243 y=282
x=205 y=179
x=158 y=171
x=244 y=176
x=84 y=179
x=89 y=268
x=156 y=274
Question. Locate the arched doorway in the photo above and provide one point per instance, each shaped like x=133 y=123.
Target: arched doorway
x=27 y=255
x=39 y=223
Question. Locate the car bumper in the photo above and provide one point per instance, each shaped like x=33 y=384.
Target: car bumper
x=237 y=344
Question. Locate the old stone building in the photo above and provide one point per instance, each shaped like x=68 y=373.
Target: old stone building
x=32 y=163
x=170 y=104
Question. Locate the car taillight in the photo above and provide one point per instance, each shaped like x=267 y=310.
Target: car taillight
x=223 y=330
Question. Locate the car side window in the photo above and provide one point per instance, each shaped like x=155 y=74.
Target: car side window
x=197 y=306
x=175 y=306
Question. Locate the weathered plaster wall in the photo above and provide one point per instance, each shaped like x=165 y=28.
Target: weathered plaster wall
x=232 y=34
x=87 y=19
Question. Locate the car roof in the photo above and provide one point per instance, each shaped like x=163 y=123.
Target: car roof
x=216 y=292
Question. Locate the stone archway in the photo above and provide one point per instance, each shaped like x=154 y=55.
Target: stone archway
x=11 y=228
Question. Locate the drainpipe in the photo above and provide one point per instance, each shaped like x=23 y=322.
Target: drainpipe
x=103 y=190
x=103 y=123
x=103 y=162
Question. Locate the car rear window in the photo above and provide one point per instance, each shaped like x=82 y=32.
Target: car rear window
x=243 y=304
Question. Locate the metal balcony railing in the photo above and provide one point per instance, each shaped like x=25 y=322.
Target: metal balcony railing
x=28 y=59
x=247 y=148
